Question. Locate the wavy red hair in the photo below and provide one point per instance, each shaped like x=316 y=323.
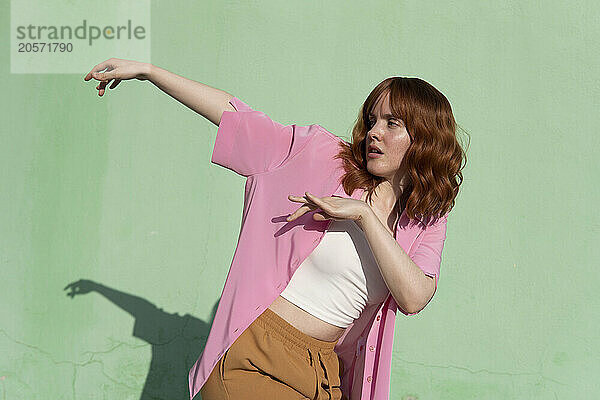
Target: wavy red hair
x=434 y=159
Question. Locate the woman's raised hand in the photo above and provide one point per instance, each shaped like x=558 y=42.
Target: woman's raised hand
x=117 y=70
x=331 y=207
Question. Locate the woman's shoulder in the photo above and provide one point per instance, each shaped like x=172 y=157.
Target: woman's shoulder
x=328 y=134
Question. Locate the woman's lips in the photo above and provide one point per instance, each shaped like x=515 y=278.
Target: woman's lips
x=374 y=155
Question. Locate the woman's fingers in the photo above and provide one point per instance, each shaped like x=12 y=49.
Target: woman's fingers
x=311 y=197
x=302 y=210
x=299 y=212
x=114 y=84
x=99 y=67
x=109 y=68
x=101 y=88
x=105 y=76
x=114 y=70
x=311 y=202
x=102 y=85
x=328 y=208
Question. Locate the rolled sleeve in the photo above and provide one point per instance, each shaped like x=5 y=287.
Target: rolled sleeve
x=428 y=256
x=248 y=142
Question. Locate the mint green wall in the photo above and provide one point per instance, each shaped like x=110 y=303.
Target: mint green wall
x=120 y=190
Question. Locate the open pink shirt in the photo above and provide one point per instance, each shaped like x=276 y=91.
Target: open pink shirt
x=277 y=161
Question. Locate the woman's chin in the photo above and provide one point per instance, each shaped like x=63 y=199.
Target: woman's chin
x=375 y=173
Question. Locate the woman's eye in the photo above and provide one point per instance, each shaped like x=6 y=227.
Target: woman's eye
x=371 y=123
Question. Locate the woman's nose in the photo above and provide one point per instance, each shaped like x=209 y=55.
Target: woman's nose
x=374 y=133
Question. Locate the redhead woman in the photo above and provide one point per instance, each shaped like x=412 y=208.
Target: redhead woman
x=336 y=237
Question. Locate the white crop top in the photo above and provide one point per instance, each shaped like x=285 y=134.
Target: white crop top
x=339 y=278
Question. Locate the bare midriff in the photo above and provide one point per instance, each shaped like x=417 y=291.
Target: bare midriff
x=306 y=322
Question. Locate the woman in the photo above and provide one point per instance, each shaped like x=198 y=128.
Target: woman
x=366 y=221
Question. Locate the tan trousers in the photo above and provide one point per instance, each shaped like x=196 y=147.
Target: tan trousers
x=272 y=359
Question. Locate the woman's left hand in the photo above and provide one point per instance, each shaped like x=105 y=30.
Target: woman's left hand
x=332 y=207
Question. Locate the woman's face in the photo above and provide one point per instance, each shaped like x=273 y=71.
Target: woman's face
x=389 y=134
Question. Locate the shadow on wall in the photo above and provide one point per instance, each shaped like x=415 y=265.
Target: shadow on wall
x=177 y=341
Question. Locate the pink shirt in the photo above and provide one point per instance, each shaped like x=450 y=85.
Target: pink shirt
x=277 y=161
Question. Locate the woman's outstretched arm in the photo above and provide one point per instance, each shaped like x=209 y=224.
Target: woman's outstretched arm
x=207 y=101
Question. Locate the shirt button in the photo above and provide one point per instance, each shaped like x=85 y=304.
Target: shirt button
x=378 y=317
x=369 y=378
x=372 y=348
x=236 y=330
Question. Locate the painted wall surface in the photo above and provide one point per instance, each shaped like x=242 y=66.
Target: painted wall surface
x=119 y=191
